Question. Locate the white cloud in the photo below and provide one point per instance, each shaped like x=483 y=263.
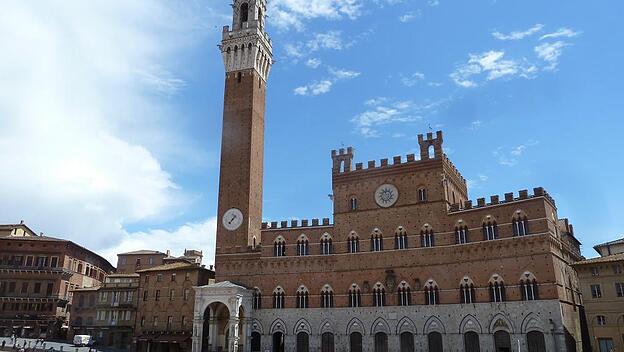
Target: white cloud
x=517 y=35
x=314 y=88
x=383 y=111
x=490 y=66
x=80 y=78
x=476 y=124
x=286 y=14
x=200 y=235
x=477 y=182
x=433 y=2
x=511 y=156
x=410 y=16
x=550 y=53
x=411 y=80
x=343 y=74
x=313 y=63
x=561 y=33
x=330 y=40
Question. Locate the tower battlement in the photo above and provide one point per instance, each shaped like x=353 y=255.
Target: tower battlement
x=506 y=199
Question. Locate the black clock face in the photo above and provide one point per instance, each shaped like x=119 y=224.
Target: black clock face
x=386 y=195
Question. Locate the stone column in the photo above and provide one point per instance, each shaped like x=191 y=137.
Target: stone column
x=213 y=335
x=247 y=333
x=198 y=330
x=234 y=334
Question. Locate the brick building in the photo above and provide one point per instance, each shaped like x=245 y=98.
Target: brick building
x=408 y=263
x=602 y=286
x=164 y=320
x=37 y=276
x=83 y=313
x=130 y=262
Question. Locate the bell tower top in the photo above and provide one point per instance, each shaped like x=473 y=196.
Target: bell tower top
x=246 y=45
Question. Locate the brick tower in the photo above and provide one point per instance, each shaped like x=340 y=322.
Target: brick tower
x=247 y=56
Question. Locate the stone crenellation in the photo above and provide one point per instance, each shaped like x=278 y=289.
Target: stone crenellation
x=507 y=198
x=293 y=224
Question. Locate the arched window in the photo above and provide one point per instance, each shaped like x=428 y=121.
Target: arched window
x=379 y=295
x=400 y=238
x=467 y=293
x=244 y=13
x=278 y=298
x=404 y=294
x=431 y=152
x=353 y=203
x=601 y=320
x=432 y=293
x=461 y=234
x=260 y=18
x=422 y=194
x=353 y=243
x=355 y=342
x=497 y=289
x=502 y=341
x=302 y=297
x=327 y=342
x=376 y=241
x=471 y=342
x=490 y=230
x=326 y=244
x=279 y=247
x=303 y=342
x=381 y=342
x=427 y=237
x=529 y=287
x=256 y=342
x=257 y=299
x=302 y=245
x=536 y=342
x=520 y=224
x=434 y=340
x=407 y=342
x=327 y=297
x=355 y=296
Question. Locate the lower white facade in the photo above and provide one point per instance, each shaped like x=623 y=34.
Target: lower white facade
x=452 y=322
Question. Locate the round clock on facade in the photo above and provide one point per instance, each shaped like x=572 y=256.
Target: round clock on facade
x=232 y=219
x=386 y=195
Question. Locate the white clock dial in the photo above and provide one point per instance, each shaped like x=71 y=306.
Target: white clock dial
x=386 y=195
x=232 y=219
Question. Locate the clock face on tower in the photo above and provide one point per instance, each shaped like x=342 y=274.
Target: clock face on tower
x=232 y=219
x=386 y=195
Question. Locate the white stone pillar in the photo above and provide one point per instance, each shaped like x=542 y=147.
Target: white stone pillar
x=234 y=334
x=213 y=335
x=198 y=330
x=247 y=332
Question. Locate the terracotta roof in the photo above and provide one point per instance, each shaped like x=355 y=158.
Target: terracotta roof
x=123 y=275
x=142 y=251
x=171 y=266
x=606 y=259
x=86 y=289
x=620 y=241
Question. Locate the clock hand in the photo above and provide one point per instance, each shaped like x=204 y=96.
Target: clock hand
x=232 y=219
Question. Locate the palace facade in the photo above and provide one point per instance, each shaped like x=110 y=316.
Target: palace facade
x=408 y=262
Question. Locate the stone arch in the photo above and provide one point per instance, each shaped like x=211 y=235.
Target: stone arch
x=501 y=322
x=278 y=325
x=532 y=323
x=302 y=325
x=527 y=275
x=406 y=325
x=355 y=325
x=434 y=324
x=303 y=237
x=256 y=326
x=489 y=219
x=326 y=236
x=380 y=325
x=326 y=326
x=400 y=230
x=353 y=234
x=470 y=323
x=426 y=227
x=519 y=214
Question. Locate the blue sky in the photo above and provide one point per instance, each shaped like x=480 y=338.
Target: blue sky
x=110 y=115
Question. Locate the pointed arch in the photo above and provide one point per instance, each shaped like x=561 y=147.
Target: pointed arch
x=406 y=325
x=462 y=233
x=356 y=325
x=355 y=296
x=302 y=325
x=532 y=323
x=326 y=326
x=303 y=297
x=326 y=243
x=520 y=223
x=256 y=326
x=432 y=293
x=353 y=242
x=497 y=289
x=400 y=238
x=470 y=323
x=404 y=294
x=427 y=238
x=376 y=240
x=434 y=324
x=379 y=295
x=380 y=325
x=500 y=322
x=303 y=244
x=489 y=227
x=327 y=296
x=278 y=325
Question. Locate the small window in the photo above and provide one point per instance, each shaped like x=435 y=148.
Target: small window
x=617 y=269
x=278 y=298
x=619 y=289
x=353 y=203
x=326 y=245
x=467 y=292
x=186 y=294
x=404 y=295
x=490 y=231
x=422 y=195
x=146 y=278
x=355 y=296
x=159 y=278
x=187 y=276
x=432 y=294
x=376 y=241
x=244 y=13
x=173 y=277
x=279 y=248
x=257 y=299
x=461 y=235
x=327 y=297
x=596 y=292
x=157 y=297
x=520 y=226
x=595 y=271
x=302 y=246
x=302 y=296
x=171 y=295
x=427 y=238
x=353 y=243
x=155 y=321
x=379 y=296
x=150 y=260
x=601 y=320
